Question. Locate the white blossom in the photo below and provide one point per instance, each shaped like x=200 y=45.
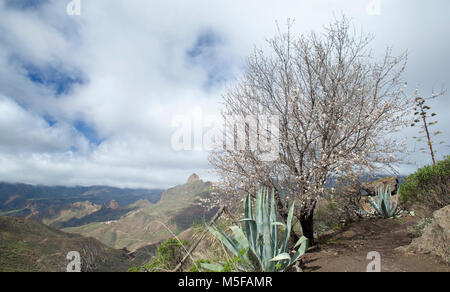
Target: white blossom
x=341 y=118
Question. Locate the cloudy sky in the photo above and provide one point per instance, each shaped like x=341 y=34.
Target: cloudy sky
x=90 y=99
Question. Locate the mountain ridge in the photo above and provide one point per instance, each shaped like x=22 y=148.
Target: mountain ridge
x=177 y=210
x=25 y=200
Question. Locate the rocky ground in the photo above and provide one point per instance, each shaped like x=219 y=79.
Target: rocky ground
x=346 y=250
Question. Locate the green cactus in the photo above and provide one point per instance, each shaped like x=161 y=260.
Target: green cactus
x=257 y=244
x=383 y=205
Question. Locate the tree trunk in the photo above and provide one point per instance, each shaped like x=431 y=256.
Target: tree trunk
x=307 y=223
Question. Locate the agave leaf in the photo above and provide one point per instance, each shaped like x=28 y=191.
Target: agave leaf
x=388 y=197
x=258 y=211
x=254 y=260
x=367 y=212
x=239 y=238
x=268 y=245
x=274 y=224
x=250 y=223
x=384 y=209
x=281 y=257
x=300 y=252
x=287 y=232
x=375 y=205
x=225 y=239
x=301 y=241
x=259 y=247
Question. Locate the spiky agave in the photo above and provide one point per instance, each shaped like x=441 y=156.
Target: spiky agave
x=257 y=244
x=383 y=204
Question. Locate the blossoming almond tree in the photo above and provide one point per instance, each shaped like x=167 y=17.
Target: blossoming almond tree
x=338 y=108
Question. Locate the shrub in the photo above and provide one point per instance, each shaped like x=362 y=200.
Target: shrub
x=196 y=267
x=342 y=205
x=169 y=254
x=428 y=186
x=328 y=215
x=237 y=263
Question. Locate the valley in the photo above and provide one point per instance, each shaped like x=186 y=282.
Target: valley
x=131 y=221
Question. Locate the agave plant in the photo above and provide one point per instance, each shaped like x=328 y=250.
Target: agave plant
x=383 y=204
x=257 y=244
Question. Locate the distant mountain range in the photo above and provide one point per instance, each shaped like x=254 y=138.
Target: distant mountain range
x=115 y=228
x=23 y=200
x=143 y=223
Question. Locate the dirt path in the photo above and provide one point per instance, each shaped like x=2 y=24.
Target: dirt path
x=346 y=250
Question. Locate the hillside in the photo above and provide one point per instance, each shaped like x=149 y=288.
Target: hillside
x=148 y=224
x=103 y=214
x=26 y=246
x=54 y=205
x=56 y=216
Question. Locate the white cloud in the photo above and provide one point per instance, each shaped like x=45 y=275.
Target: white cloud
x=24 y=132
x=132 y=57
x=30 y=37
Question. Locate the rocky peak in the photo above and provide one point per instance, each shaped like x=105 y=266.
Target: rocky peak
x=193 y=178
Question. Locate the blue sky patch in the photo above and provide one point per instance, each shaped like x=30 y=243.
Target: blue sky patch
x=50 y=121
x=60 y=82
x=205 y=40
x=25 y=4
x=88 y=131
x=206 y=54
